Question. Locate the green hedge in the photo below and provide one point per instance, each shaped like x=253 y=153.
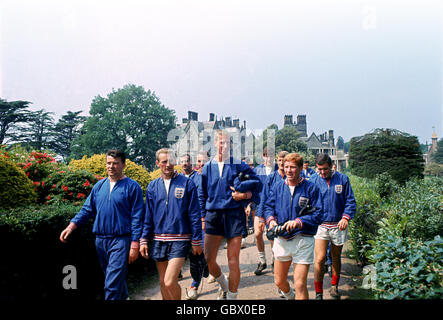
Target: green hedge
x=34 y=257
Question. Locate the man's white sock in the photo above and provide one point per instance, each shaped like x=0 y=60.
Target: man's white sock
x=223 y=282
x=262 y=257
x=231 y=295
x=289 y=295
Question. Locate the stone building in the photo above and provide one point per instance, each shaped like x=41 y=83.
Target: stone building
x=193 y=136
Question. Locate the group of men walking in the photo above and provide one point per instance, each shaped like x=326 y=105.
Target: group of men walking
x=193 y=212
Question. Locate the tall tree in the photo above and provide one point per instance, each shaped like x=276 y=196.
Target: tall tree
x=131 y=119
x=38 y=131
x=386 y=150
x=288 y=138
x=66 y=130
x=12 y=114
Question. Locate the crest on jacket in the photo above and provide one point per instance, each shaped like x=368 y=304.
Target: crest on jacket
x=302 y=202
x=338 y=188
x=179 y=192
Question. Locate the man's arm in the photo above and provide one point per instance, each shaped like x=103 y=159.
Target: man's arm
x=86 y=212
x=137 y=215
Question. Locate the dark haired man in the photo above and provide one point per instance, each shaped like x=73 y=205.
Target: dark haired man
x=116 y=204
x=339 y=208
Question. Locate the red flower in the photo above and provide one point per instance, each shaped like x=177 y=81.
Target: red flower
x=65 y=188
x=48 y=197
x=43 y=183
x=54 y=186
x=70 y=194
x=36 y=183
x=86 y=184
x=81 y=195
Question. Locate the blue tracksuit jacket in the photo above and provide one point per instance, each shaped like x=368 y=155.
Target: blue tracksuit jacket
x=176 y=217
x=307 y=174
x=267 y=185
x=119 y=213
x=215 y=193
x=281 y=206
x=338 y=197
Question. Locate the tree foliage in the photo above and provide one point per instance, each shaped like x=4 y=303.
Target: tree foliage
x=65 y=131
x=11 y=114
x=386 y=150
x=437 y=156
x=130 y=119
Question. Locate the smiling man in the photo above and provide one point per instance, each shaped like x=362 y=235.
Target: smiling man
x=117 y=205
x=283 y=206
x=173 y=221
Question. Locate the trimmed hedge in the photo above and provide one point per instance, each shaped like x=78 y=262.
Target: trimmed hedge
x=35 y=257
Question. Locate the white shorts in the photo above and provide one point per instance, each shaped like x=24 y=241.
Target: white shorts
x=299 y=249
x=335 y=235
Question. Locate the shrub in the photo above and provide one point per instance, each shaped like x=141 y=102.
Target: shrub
x=385 y=185
x=96 y=164
x=363 y=227
x=69 y=185
x=405 y=268
x=15 y=188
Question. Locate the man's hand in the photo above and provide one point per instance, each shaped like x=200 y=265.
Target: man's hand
x=133 y=255
x=144 y=251
x=291 y=225
x=197 y=250
x=342 y=224
x=248 y=210
x=66 y=233
x=272 y=224
x=238 y=196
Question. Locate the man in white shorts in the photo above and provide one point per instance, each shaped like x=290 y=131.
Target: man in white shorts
x=283 y=207
x=339 y=207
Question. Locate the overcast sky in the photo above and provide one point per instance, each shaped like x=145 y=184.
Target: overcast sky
x=351 y=66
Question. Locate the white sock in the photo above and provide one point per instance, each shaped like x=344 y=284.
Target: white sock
x=289 y=295
x=262 y=257
x=231 y=295
x=223 y=282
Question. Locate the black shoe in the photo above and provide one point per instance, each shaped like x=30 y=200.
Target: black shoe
x=260 y=268
x=319 y=296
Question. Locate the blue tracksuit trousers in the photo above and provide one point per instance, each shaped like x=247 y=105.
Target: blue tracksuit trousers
x=113 y=258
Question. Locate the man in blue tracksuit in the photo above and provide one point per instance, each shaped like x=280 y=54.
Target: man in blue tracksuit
x=173 y=221
x=283 y=207
x=263 y=171
x=306 y=172
x=226 y=182
x=197 y=263
x=117 y=205
x=339 y=208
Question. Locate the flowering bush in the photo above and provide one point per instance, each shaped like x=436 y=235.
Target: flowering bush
x=69 y=185
x=51 y=180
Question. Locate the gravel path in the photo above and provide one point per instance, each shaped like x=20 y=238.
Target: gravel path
x=254 y=287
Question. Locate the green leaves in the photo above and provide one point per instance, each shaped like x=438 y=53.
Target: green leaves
x=130 y=119
x=386 y=150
